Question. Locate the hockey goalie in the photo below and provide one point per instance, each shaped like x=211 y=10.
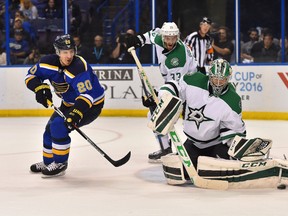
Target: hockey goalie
x=216 y=134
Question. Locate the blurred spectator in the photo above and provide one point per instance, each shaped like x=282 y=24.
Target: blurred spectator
x=266 y=50
x=120 y=54
x=246 y=47
x=33 y=57
x=29 y=10
x=21 y=22
x=19 y=48
x=223 y=46
x=100 y=53
x=279 y=59
x=3 y=60
x=80 y=48
x=268 y=30
x=51 y=11
x=75 y=17
x=17 y=27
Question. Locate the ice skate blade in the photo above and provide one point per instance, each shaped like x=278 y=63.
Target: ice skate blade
x=53 y=176
x=155 y=161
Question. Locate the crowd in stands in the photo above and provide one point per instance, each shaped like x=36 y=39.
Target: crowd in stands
x=35 y=24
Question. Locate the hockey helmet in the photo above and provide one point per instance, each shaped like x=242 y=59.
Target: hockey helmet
x=219 y=75
x=64 y=42
x=169 y=29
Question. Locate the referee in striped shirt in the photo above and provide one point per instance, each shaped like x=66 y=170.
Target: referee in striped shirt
x=200 y=43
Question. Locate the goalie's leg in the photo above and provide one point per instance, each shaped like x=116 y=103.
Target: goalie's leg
x=165 y=145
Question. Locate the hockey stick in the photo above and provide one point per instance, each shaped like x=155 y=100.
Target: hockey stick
x=182 y=153
x=113 y=162
x=147 y=95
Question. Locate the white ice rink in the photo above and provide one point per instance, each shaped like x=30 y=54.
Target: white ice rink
x=93 y=187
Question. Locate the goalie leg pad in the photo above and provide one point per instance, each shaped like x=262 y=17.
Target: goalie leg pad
x=239 y=174
x=166 y=114
x=173 y=169
x=250 y=149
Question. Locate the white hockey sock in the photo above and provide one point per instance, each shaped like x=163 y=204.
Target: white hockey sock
x=164 y=140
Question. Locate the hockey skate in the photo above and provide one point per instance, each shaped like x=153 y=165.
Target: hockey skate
x=54 y=169
x=37 y=167
x=155 y=157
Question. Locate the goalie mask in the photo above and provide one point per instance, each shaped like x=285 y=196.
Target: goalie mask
x=170 y=34
x=219 y=76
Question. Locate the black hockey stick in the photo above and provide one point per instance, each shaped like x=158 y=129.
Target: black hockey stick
x=113 y=162
x=181 y=150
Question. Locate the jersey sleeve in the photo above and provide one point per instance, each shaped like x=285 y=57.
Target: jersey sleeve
x=37 y=74
x=151 y=36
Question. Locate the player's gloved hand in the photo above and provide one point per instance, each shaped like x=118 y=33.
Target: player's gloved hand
x=134 y=41
x=73 y=118
x=43 y=93
x=148 y=101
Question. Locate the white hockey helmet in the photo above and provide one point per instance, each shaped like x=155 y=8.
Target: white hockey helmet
x=169 y=29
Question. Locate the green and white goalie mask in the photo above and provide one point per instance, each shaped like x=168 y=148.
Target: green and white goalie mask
x=219 y=76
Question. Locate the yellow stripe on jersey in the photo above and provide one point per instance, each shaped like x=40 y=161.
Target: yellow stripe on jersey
x=67 y=73
x=60 y=152
x=29 y=78
x=84 y=62
x=85 y=99
x=48 y=66
x=99 y=101
x=67 y=104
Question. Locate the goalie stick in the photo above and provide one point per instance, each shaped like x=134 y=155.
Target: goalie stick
x=116 y=163
x=182 y=153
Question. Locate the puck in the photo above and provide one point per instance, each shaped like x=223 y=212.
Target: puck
x=281 y=187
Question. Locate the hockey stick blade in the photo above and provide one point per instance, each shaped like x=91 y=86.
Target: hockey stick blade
x=115 y=163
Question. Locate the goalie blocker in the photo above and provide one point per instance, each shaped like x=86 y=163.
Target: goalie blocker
x=255 y=172
x=166 y=114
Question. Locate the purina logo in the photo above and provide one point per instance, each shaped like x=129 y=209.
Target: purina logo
x=114 y=74
x=284 y=78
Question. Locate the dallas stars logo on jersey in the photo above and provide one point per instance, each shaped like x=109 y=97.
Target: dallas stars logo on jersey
x=197 y=115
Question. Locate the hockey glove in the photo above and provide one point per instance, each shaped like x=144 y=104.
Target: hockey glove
x=134 y=41
x=148 y=101
x=73 y=118
x=43 y=94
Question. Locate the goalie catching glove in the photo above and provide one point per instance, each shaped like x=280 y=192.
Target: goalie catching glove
x=166 y=114
x=43 y=93
x=250 y=149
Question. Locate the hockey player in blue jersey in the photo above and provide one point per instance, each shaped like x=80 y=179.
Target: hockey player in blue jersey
x=82 y=98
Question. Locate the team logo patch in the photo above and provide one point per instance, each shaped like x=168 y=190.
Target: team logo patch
x=174 y=61
x=197 y=115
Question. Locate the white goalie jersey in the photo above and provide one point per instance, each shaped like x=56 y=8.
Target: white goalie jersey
x=208 y=120
x=174 y=63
